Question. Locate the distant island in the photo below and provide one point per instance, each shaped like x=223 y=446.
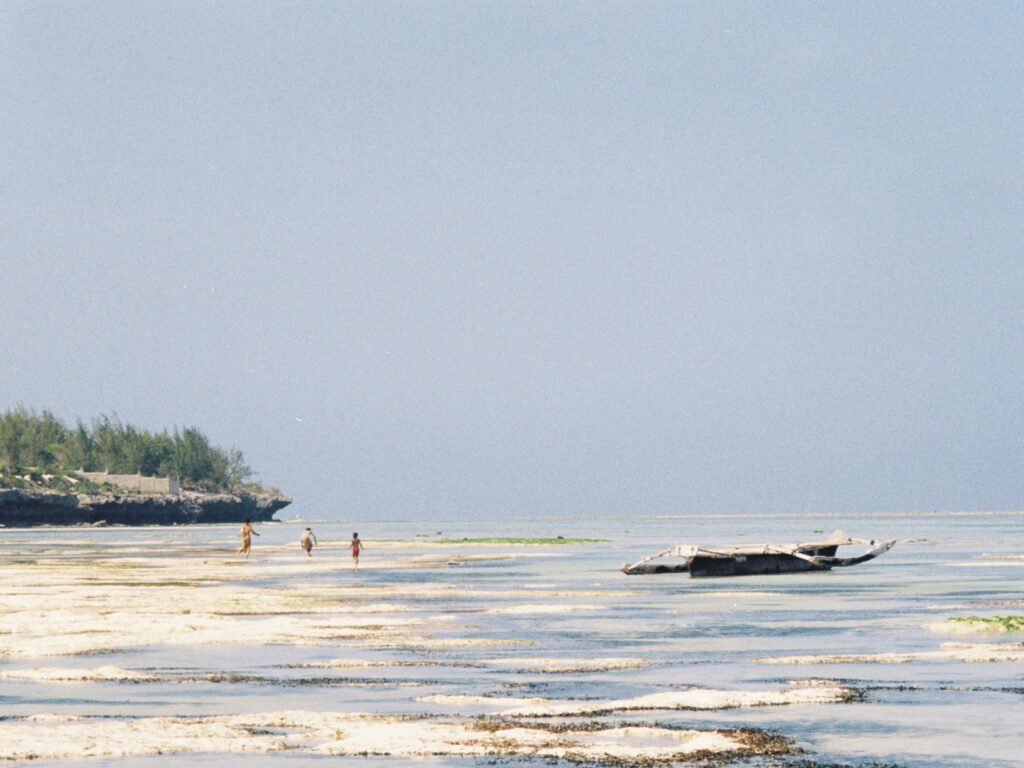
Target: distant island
x=109 y=473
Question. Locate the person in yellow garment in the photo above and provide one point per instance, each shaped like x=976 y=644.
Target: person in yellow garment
x=307 y=541
x=356 y=545
x=246 y=533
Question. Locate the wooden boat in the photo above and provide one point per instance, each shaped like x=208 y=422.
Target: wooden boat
x=747 y=560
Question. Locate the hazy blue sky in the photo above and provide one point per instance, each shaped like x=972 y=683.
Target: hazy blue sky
x=514 y=259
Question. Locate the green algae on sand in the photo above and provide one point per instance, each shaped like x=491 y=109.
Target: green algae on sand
x=512 y=540
x=991 y=623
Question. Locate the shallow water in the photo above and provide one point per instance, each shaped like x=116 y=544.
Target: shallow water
x=452 y=632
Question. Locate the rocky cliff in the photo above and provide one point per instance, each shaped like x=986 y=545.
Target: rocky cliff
x=23 y=509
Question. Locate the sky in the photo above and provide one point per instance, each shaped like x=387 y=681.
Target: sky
x=502 y=260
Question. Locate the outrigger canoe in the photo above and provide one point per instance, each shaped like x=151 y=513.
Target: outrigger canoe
x=748 y=560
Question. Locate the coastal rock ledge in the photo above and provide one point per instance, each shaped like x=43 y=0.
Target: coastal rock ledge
x=24 y=509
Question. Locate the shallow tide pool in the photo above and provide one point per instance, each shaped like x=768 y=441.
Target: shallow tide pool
x=134 y=647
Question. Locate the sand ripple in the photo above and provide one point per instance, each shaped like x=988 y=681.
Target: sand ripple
x=968 y=652
x=564 y=665
x=692 y=698
x=68 y=675
x=554 y=608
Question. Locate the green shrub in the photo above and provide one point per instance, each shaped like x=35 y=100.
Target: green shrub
x=39 y=443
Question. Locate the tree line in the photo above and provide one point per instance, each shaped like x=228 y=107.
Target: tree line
x=43 y=442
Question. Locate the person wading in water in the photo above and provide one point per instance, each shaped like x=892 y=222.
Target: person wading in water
x=246 y=533
x=356 y=545
x=307 y=541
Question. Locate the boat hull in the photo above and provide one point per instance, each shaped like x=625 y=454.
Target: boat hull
x=704 y=566
x=754 y=560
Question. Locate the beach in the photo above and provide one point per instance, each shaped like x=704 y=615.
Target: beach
x=458 y=643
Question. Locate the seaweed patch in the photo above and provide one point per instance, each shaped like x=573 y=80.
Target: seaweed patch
x=988 y=623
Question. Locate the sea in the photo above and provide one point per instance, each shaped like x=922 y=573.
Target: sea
x=455 y=621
